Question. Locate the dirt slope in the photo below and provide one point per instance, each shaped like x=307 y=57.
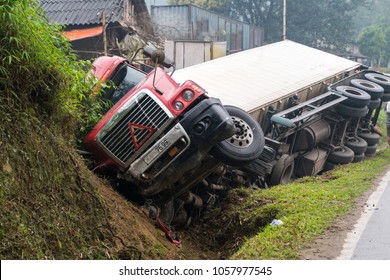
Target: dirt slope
x=53 y=207
x=134 y=231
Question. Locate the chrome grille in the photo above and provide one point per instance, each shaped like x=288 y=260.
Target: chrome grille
x=145 y=116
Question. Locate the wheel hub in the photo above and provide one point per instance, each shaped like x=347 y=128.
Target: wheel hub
x=244 y=134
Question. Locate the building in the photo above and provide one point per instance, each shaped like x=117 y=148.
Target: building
x=96 y=27
x=189 y=22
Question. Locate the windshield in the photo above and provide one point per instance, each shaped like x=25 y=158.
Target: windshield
x=123 y=81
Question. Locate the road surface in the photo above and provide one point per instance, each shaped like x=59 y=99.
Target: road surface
x=370 y=237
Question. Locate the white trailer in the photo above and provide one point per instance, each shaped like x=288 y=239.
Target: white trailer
x=268 y=75
x=316 y=109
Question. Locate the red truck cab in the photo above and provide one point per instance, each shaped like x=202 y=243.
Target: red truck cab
x=154 y=126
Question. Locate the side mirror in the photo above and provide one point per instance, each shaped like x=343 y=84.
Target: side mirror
x=157 y=56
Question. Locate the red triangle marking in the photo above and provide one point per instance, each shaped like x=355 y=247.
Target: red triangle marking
x=137 y=127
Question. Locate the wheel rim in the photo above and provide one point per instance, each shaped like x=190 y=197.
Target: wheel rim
x=244 y=135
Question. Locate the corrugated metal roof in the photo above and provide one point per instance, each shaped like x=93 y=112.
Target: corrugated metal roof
x=82 y=12
x=258 y=77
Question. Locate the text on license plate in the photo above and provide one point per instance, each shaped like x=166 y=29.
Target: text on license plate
x=162 y=145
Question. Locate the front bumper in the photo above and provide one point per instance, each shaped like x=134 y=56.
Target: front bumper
x=165 y=150
x=185 y=146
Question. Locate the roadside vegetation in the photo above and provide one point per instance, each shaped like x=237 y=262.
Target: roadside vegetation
x=51 y=204
x=308 y=207
x=53 y=207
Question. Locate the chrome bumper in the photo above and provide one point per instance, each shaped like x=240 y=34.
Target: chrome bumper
x=165 y=150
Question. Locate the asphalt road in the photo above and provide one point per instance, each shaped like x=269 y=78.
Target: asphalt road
x=370 y=238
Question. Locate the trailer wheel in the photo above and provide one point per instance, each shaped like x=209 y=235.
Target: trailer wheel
x=358 y=145
x=341 y=155
x=371 y=138
x=373 y=89
x=348 y=111
x=282 y=171
x=374 y=103
x=386 y=97
x=358 y=157
x=356 y=97
x=371 y=150
x=246 y=145
x=382 y=80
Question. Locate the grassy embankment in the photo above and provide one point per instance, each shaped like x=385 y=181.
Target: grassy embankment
x=307 y=207
x=51 y=205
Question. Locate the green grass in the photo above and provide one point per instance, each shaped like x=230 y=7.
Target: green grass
x=49 y=204
x=308 y=207
x=240 y=228
x=49 y=207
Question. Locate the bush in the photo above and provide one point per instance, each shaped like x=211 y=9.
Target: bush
x=49 y=206
x=39 y=70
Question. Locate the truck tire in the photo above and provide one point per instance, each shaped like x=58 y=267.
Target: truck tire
x=382 y=80
x=371 y=138
x=268 y=154
x=358 y=145
x=246 y=145
x=385 y=97
x=164 y=212
x=348 y=111
x=356 y=97
x=258 y=168
x=373 y=89
x=374 y=103
x=371 y=150
x=358 y=157
x=282 y=171
x=341 y=155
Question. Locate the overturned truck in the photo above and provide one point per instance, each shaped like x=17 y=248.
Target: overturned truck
x=274 y=113
x=317 y=110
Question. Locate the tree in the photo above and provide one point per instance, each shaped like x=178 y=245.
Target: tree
x=324 y=24
x=372 y=28
x=376 y=12
x=374 y=41
x=267 y=14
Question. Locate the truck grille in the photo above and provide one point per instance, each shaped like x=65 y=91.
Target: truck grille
x=140 y=121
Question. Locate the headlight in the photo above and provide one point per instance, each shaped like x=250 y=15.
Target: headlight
x=178 y=105
x=188 y=95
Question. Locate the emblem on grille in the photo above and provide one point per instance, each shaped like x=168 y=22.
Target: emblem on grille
x=140 y=133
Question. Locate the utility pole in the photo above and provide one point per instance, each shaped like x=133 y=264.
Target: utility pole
x=284 y=20
x=104 y=33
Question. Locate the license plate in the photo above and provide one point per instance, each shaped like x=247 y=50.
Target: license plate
x=162 y=145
